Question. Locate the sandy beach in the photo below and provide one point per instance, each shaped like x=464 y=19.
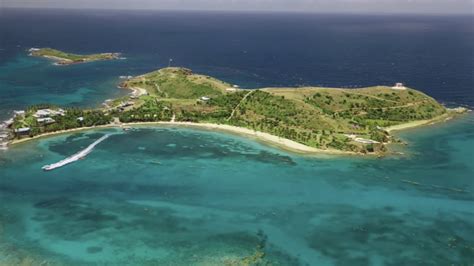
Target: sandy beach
x=44 y=135
x=282 y=143
x=272 y=140
x=442 y=118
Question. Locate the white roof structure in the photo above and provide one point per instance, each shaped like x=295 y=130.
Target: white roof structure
x=19 y=112
x=48 y=112
x=22 y=129
x=45 y=120
x=42 y=113
x=399 y=86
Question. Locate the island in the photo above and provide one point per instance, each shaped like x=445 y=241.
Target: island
x=305 y=119
x=62 y=58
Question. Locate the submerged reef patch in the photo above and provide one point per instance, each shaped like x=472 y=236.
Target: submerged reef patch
x=360 y=237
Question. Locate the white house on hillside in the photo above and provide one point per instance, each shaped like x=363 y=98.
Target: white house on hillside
x=399 y=86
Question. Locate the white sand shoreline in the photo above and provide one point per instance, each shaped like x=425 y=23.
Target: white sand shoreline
x=439 y=119
x=283 y=143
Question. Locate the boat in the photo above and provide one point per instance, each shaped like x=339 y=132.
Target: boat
x=78 y=156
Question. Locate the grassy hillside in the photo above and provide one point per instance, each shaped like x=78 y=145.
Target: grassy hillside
x=375 y=105
x=178 y=83
x=327 y=118
x=318 y=117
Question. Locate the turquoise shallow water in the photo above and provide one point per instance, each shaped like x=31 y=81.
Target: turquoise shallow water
x=169 y=196
x=25 y=81
x=164 y=196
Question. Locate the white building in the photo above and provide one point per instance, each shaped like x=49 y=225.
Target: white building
x=399 y=86
x=42 y=113
x=46 y=120
x=48 y=112
x=19 y=113
x=205 y=98
x=22 y=130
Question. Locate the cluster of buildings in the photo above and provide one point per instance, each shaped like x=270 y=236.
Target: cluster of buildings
x=43 y=113
x=43 y=117
x=234 y=88
x=22 y=130
x=108 y=104
x=121 y=107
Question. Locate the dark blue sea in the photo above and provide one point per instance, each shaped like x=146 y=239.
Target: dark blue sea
x=175 y=196
x=430 y=53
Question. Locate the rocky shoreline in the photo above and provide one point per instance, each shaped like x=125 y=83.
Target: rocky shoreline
x=5 y=133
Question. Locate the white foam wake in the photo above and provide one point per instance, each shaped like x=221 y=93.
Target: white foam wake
x=74 y=157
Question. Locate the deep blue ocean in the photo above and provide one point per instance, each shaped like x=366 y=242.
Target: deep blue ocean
x=181 y=196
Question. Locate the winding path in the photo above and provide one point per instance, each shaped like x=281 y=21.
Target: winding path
x=241 y=101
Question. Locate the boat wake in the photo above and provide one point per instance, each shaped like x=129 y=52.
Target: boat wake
x=76 y=156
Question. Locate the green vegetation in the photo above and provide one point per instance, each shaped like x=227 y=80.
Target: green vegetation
x=152 y=110
x=325 y=118
x=63 y=58
x=177 y=83
x=318 y=117
x=69 y=119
